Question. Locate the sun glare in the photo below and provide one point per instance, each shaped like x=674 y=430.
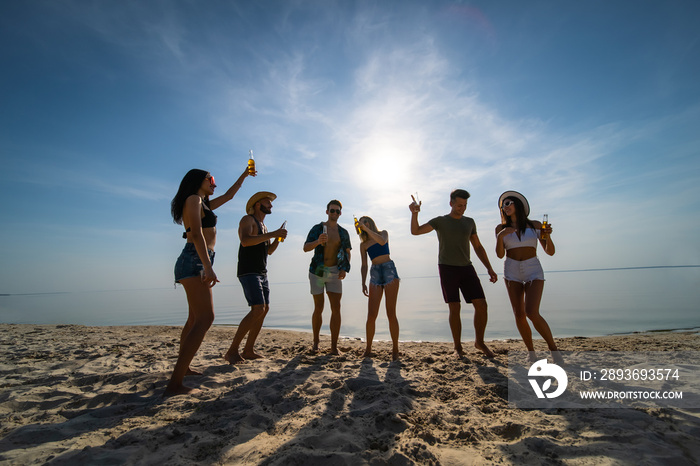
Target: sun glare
x=386 y=169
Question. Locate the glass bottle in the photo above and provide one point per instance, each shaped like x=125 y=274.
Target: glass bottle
x=251 y=163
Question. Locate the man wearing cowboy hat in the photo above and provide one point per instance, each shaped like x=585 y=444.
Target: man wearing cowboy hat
x=329 y=265
x=252 y=272
x=455 y=232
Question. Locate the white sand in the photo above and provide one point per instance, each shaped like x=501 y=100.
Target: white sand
x=92 y=395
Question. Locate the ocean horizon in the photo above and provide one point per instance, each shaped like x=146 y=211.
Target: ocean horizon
x=614 y=301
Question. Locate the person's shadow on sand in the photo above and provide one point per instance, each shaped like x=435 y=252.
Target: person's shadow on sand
x=233 y=418
x=377 y=406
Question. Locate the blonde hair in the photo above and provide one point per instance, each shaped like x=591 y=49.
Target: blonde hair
x=372 y=226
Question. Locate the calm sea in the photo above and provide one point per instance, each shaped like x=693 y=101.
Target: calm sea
x=575 y=303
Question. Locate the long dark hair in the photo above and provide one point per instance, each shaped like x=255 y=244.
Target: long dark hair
x=521 y=220
x=189 y=185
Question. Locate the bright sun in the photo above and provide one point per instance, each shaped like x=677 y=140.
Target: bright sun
x=384 y=167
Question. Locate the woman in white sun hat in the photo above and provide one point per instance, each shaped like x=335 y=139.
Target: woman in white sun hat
x=517 y=238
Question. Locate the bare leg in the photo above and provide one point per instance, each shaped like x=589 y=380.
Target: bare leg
x=516 y=293
x=188 y=325
x=257 y=313
x=317 y=320
x=533 y=297
x=334 y=299
x=481 y=317
x=199 y=298
x=375 y=299
x=456 y=327
x=186 y=330
x=248 y=349
x=392 y=294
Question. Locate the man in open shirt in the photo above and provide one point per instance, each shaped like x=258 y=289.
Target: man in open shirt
x=329 y=265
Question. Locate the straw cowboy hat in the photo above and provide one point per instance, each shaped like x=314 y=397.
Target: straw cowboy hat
x=249 y=207
x=516 y=195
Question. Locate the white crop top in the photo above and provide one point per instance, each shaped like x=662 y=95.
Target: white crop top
x=528 y=239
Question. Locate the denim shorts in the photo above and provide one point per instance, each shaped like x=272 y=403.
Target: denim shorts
x=383 y=274
x=328 y=280
x=189 y=264
x=523 y=271
x=456 y=278
x=256 y=289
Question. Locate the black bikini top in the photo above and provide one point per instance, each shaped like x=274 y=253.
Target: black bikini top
x=208 y=221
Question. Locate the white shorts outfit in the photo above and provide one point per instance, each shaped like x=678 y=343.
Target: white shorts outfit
x=522 y=271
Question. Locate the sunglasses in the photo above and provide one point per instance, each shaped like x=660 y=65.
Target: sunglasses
x=334 y=211
x=508 y=203
x=211 y=180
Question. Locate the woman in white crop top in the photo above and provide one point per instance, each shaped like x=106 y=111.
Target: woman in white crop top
x=516 y=238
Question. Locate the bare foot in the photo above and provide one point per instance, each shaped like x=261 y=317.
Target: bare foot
x=532 y=357
x=368 y=354
x=192 y=372
x=334 y=352
x=234 y=358
x=179 y=390
x=395 y=355
x=481 y=346
x=558 y=359
x=251 y=355
x=459 y=353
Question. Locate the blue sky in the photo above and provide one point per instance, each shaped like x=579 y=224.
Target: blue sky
x=590 y=109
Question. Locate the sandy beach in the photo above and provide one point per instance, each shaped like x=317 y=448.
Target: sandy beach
x=92 y=395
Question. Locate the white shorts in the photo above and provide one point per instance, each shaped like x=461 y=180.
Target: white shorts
x=523 y=271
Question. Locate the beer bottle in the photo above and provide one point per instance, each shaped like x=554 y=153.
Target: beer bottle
x=280 y=239
x=251 y=163
x=545 y=221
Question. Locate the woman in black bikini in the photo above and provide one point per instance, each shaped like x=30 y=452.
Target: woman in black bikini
x=192 y=208
x=383 y=279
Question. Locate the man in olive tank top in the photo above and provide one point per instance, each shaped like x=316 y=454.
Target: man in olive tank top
x=256 y=245
x=455 y=232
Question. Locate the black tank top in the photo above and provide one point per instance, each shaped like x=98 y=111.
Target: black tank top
x=253 y=259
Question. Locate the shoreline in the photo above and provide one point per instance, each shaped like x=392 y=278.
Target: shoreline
x=467 y=331
x=76 y=394
x=535 y=335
